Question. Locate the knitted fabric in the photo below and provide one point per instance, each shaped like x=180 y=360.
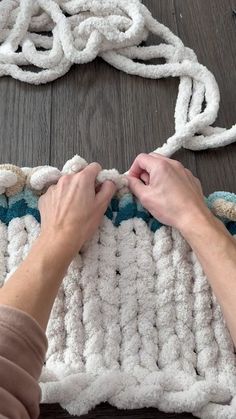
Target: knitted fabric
x=135 y=322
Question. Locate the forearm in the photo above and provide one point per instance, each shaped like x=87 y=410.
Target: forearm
x=34 y=285
x=215 y=249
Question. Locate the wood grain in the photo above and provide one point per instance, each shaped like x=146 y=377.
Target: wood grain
x=25 y=115
x=105 y=411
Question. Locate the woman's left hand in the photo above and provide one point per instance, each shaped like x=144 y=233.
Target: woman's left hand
x=72 y=210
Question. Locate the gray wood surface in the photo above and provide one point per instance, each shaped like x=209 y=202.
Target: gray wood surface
x=107 y=116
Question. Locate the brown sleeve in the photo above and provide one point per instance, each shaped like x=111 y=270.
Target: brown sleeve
x=23 y=345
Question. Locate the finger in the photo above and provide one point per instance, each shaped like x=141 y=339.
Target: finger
x=87 y=177
x=145 y=177
x=147 y=162
x=98 y=187
x=106 y=192
x=136 y=186
x=143 y=162
x=90 y=172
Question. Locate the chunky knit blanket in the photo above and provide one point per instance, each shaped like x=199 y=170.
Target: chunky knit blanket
x=135 y=322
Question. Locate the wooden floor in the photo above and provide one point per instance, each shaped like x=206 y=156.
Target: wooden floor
x=107 y=116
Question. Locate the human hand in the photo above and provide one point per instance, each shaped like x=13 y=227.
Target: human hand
x=72 y=210
x=167 y=190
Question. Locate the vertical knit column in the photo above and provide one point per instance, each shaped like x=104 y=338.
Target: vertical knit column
x=205 y=344
x=127 y=266
x=145 y=295
x=74 y=328
x=184 y=301
x=3 y=252
x=109 y=293
x=92 y=316
x=17 y=239
x=3 y=241
x=33 y=229
x=226 y=362
x=56 y=332
x=168 y=342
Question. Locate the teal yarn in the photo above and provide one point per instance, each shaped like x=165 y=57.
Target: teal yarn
x=3 y=208
x=231 y=227
x=19 y=209
x=127 y=209
x=227 y=196
x=119 y=210
x=114 y=204
x=109 y=213
x=142 y=212
x=155 y=225
x=130 y=207
x=19 y=205
x=3 y=201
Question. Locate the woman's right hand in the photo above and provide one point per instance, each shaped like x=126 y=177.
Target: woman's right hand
x=167 y=190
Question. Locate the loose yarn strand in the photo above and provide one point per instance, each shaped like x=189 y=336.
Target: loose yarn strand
x=83 y=29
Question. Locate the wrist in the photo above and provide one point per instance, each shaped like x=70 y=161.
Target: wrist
x=55 y=247
x=198 y=222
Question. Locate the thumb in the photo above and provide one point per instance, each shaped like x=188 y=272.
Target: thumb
x=106 y=192
x=136 y=186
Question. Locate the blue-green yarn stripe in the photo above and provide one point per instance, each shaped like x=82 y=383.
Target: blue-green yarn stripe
x=231 y=227
x=19 y=205
x=3 y=201
x=3 y=215
x=119 y=210
x=20 y=209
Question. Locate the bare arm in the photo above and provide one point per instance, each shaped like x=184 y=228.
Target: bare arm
x=215 y=249
x=70 y=213
x=174 y=196
x=34 y=285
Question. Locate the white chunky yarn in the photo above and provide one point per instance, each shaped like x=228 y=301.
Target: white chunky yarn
x=13 y=178
x=7 y=179
x=135 y=322
x=147 y=329
x=77 y=31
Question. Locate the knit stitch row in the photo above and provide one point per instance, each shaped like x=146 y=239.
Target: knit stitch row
x=21 y=187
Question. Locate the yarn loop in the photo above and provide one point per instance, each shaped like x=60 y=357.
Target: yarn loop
x=54 y=34
x=13 y=178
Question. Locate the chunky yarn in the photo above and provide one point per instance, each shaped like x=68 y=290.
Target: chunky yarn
x=77 y=31
x=135 y=322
